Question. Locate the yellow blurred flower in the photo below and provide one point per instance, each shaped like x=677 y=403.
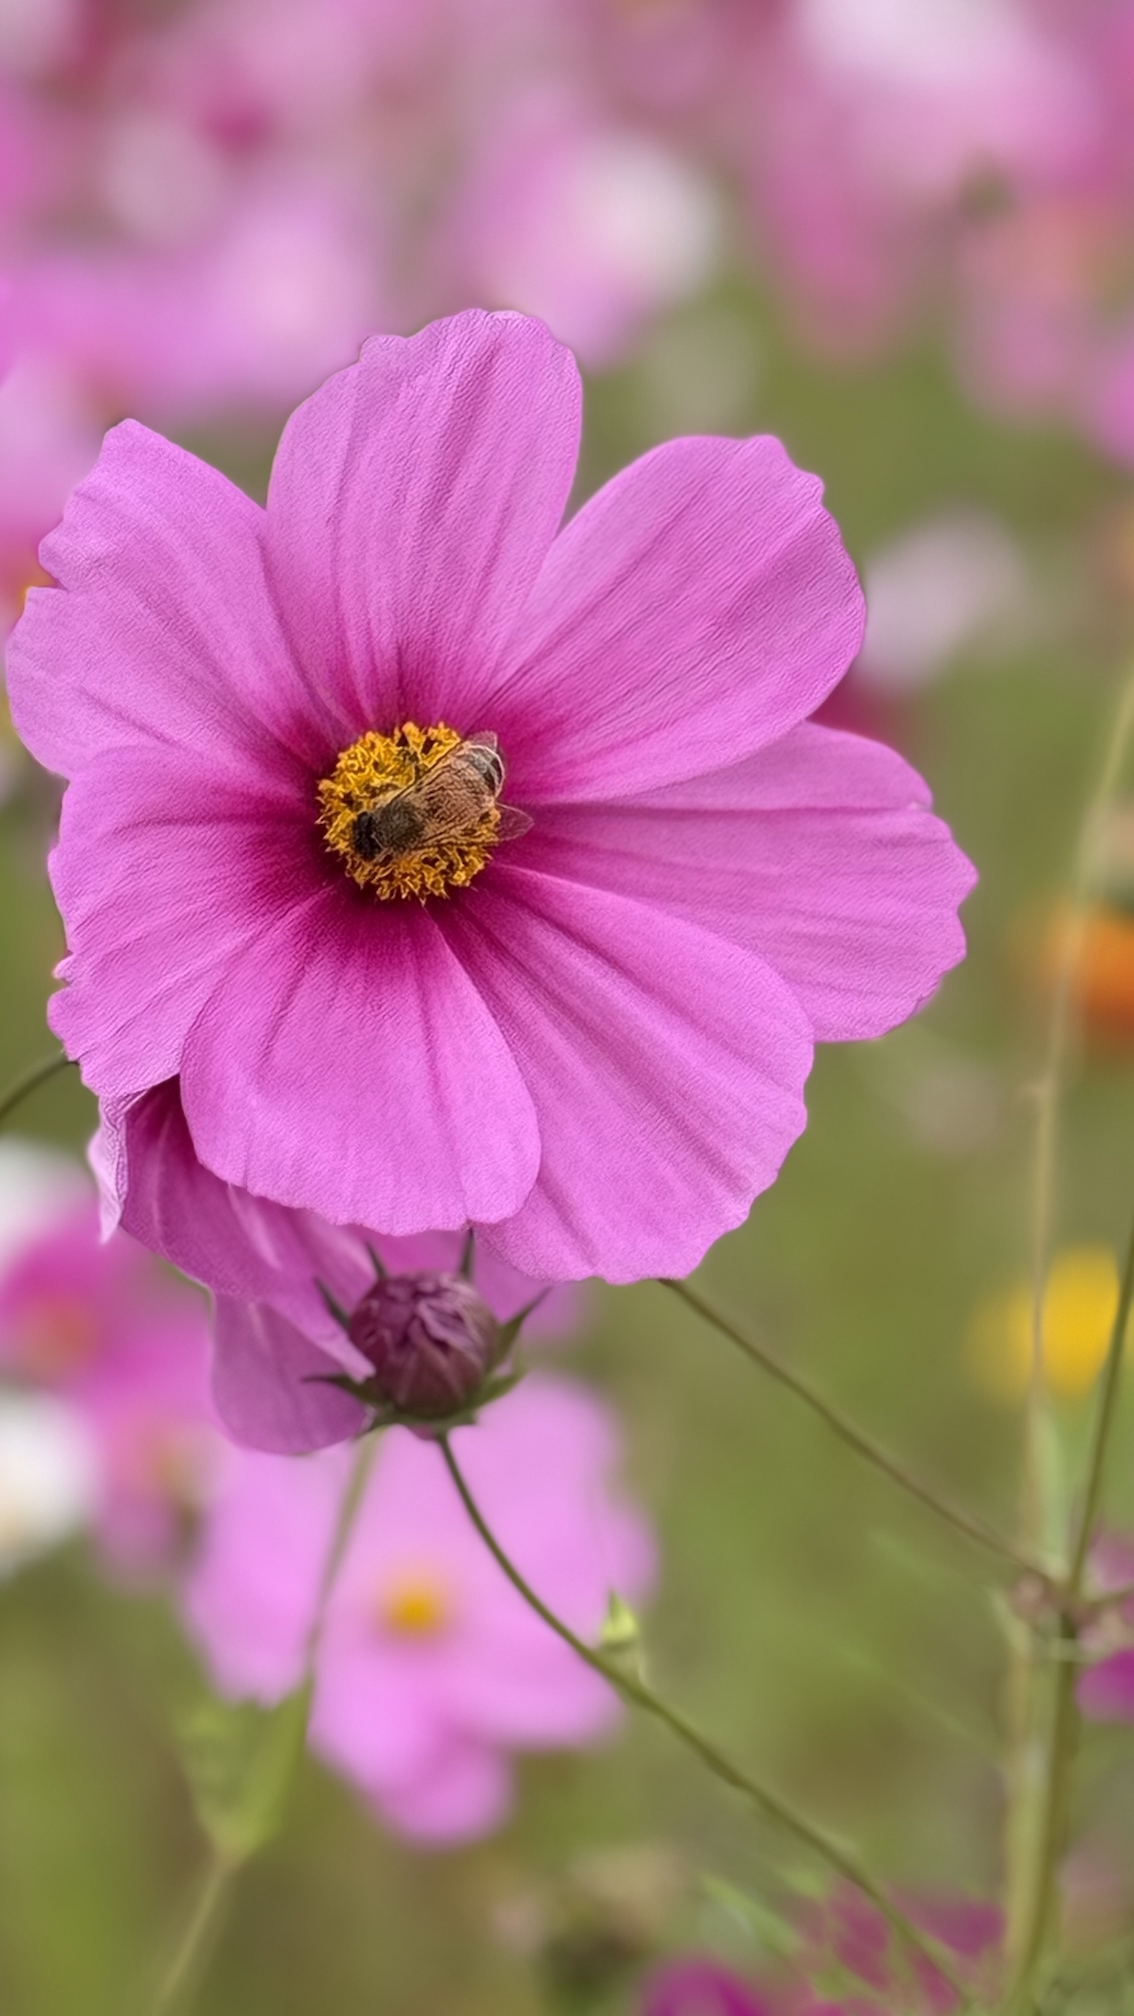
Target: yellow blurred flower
x=1079 y=1307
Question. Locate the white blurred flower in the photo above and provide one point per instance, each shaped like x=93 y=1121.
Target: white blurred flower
x=948 y=586
x=48 y=1476
x=594 y=229
x=938 y=44
x=38 y=1187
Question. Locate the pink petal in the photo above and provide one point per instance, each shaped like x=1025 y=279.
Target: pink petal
x=250 y=1593
x=239 y=1245
x=693 y=611
x=163 y=871
x=371 y=1718
x=348 y=1065
x=412 y=504
x=818 y=853
x=267 y=1383
x=163 y=629
x=467 y=1793
x=252 y=1250
x=666 y=1068
x=515 y=1688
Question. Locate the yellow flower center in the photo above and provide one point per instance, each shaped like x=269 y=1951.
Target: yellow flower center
x=414 y=812
x=416 y=1604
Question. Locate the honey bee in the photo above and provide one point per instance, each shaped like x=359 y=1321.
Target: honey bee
x=446 y=803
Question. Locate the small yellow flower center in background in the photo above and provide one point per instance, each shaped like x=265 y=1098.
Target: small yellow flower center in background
x=413 y=813
x=415 y=1604
x=1079 y=1305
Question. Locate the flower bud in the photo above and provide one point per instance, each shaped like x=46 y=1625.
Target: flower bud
x=431 y=1339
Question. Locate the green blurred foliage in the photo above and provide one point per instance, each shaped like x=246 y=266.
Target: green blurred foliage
x=822 y=1627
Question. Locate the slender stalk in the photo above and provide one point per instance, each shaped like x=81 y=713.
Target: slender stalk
x=634 y=1689
x=353 y=1493
x=30 y=1081
x=1025 y=1814
x=195 y=1945
x=1050 y=1088
x=1064 y=1718
x=200 y=1935
x=1104 y=1426
x=962 y=1522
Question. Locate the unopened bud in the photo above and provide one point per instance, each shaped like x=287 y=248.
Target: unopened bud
x=621 y=1637
x=431 y=1339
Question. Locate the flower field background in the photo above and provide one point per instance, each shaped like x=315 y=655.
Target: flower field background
x=850 y=1649
x=804 y=1610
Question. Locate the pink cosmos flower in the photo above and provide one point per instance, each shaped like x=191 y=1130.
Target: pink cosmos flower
x=431 y=1668
x=588 y=1038
x=106 y=1330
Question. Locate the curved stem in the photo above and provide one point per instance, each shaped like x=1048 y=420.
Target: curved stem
x=962 y=1522
x=1064 y=1718
x=30 y=1081
x=353 y=1493
x=634 y=1689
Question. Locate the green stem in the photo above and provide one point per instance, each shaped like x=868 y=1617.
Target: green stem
x=195 y=1946
x=35 y=1076
x=871 y=1452
x=1064 y=1718
x=1024 y=1815
x=1050 y=1088
x=353 y=1493
x=200 y=1935
x=1104 y=1426
x=634 y=1689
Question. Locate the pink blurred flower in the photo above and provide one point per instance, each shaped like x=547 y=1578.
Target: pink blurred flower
x=591 y=226
x=168 y=251
x=1105 y=1692
x=868 y=128
x=847 y=1933
x=596 y=1053
x=700 y=1988
x=106 y=1330
x=49 y=438
x=431 y=1669
x=278 y=294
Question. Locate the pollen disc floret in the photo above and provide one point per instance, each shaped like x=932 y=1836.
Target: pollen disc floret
x=414 y=812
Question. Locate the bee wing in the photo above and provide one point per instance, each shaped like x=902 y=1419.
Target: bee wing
x=513 y=822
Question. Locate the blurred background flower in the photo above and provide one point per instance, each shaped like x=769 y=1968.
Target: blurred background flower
x=430 y=1667
x=1080 y=1302
x=118 y=1344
